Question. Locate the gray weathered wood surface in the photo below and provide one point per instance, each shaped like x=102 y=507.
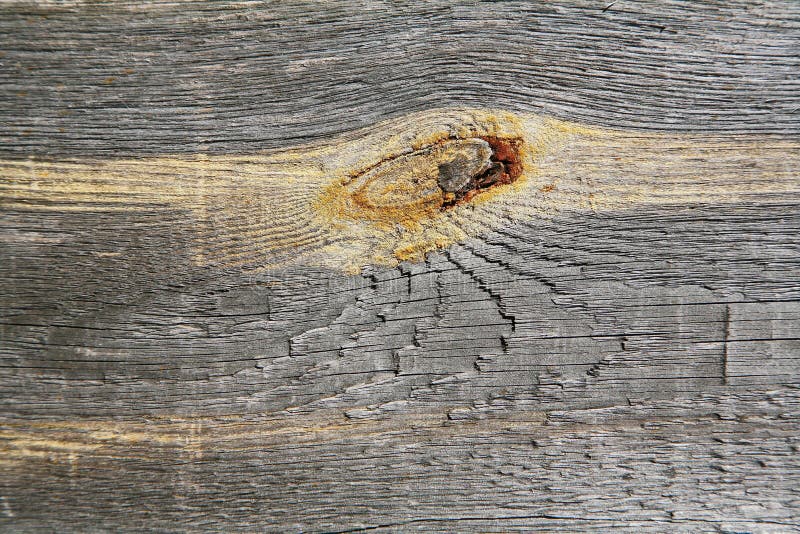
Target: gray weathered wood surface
x=629 y=368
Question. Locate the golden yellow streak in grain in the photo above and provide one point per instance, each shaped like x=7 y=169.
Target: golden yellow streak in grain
x=287 y=207
x=69 y=441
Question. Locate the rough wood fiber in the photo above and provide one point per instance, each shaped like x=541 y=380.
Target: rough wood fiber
x=193 y=339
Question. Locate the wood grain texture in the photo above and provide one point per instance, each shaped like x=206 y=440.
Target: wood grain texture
x=201 y=332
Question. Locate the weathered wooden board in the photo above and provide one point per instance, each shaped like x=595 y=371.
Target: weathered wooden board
x=203 y=327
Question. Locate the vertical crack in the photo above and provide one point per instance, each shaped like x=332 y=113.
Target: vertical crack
x=406 y=273
x=725 y=334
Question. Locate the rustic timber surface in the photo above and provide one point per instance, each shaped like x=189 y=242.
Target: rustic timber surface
x=232 y=297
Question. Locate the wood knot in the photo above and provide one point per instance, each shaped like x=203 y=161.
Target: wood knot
x=460 y=181
x=436 y=178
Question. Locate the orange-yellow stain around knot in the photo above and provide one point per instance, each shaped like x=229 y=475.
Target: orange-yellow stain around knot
x=547 y=188
x=396 y=208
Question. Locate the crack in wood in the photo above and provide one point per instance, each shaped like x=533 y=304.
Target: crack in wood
x=726 y=332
